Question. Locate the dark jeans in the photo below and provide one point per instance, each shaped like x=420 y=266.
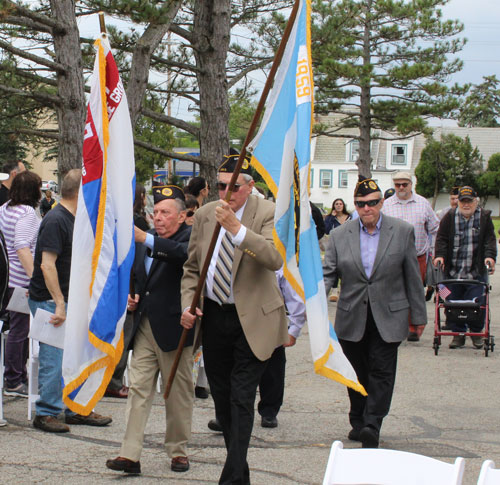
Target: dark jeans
x=233 y=373
x=468 y=292
x=375 y=362
x=16 y=348
x=272 y=385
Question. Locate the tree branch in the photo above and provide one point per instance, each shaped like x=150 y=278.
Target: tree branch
x=31 y=57
x=46 y=99
x=165 y=153
x=42 y=19
x=193 y=130
x=245 y=71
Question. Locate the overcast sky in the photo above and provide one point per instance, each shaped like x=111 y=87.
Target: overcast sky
x=481 y=54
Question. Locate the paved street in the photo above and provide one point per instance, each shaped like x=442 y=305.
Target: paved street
x=443 y=407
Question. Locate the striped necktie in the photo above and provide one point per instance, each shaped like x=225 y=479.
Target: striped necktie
x=223 y=269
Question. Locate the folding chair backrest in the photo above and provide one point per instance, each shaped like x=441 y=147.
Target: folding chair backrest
x=388 y=467
x=489 y=475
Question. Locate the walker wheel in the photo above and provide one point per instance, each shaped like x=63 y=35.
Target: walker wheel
x=435 y=345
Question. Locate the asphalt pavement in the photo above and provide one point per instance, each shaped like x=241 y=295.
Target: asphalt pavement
x=444 y=406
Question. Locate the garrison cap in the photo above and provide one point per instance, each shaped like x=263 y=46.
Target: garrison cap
x=389 y=193
x=162 y=192
x=229 y=163
x=365 y=186
x=454 y=190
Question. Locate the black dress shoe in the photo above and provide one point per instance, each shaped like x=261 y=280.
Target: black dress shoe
x=200 y=392
x=413 y=337
x=269 y=422
x=121 y=464
x=354 y=435
x=369 y=437
x=215 y=425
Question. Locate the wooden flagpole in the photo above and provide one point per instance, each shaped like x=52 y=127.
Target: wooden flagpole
x=236 y=173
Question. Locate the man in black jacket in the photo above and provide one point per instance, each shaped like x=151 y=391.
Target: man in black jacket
x=465 y=246
x=159 y=257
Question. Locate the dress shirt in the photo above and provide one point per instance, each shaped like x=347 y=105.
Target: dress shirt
x=150 y=244
x=418 y=212
x=294 y=305
x=368 y=244
x=237 y=240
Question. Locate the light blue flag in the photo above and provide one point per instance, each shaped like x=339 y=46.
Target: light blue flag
x=281 y=154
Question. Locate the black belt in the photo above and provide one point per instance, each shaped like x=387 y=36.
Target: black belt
x=225 y=307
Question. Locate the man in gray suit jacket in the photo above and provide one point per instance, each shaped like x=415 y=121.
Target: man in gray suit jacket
x=376 y=259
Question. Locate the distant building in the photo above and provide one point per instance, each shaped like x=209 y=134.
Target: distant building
x=334 y=172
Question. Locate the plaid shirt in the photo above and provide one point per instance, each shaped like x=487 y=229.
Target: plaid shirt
x=465 y=241
x=418 y=212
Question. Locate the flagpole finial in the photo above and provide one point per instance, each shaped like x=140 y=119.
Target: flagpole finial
x=102 y=23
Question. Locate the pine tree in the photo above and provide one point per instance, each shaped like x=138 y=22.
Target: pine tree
x=384 y=65
x=482 y=105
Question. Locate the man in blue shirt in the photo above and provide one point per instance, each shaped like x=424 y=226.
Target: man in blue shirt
x=376 y=259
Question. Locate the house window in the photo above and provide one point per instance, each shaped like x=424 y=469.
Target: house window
x=353 y=150
x=325 y=178
x=312 y=178
x=399 y=154
x=342 y=178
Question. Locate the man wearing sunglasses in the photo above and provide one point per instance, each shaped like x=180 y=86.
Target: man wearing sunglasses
x=416 y=210
x=376 y=259
x=243 y=311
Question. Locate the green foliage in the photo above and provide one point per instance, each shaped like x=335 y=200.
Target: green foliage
x=449 y=162
x=383 y=64
x=489 y=181
x=241 y=116
x=482 y=105
x=156 y=134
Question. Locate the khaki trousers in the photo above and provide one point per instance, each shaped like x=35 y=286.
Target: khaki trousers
x=147 y=361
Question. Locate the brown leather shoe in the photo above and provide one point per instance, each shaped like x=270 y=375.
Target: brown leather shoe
x=121 y=464
x=121 y=393
x=180 y=464
x=93 y=419
x=334 y=298
x=50 y=424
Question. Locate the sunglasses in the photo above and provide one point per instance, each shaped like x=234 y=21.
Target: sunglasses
x=222 y=186
x=403 y=184
x=369 y=203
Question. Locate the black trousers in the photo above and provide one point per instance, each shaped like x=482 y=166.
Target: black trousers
x=272 y=384
x=375 y=362
x=233 y=373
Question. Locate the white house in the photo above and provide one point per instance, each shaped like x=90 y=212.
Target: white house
x=334 y=173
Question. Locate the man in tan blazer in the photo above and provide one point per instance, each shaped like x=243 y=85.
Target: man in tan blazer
x=243 y=317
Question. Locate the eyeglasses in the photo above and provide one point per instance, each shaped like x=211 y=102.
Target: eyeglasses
x=369 y=203
x=189 y=213
x=403 y=184
x=222 y=186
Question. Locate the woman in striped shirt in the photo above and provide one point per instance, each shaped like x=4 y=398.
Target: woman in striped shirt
x=19 y=224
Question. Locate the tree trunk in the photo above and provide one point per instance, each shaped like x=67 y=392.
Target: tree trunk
x=141 y=61
x=364 y=160
x=211 y=34
x=70 y=86
x=436 y=193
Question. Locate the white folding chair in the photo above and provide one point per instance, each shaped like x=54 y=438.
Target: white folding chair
x=489 y=475
x=388 y=467
x=34 y=347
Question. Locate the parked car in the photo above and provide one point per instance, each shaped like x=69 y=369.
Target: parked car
x=49 y=185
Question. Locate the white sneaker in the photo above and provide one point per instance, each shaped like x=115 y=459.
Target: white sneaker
x=3 y=423
x=20 y=391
